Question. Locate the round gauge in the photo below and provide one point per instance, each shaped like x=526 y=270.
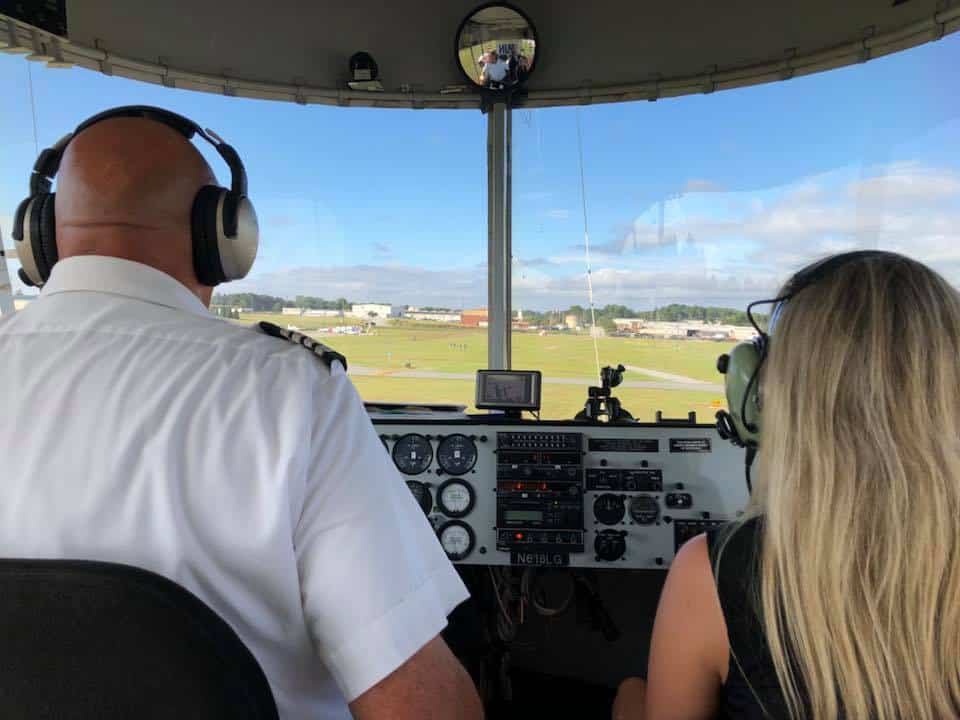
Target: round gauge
x=412 y=454
x=456 y=454
x=644 y=509
x=610 y=545
x=421 y=494
x=609 y=509
x=457 y=539
x=455 y=498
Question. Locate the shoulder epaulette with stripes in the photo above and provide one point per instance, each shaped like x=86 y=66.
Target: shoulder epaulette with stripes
x=328 y=355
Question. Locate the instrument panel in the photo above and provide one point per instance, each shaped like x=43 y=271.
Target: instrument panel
x=555 y=494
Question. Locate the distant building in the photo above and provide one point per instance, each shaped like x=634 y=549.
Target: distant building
x=571 y=321
x=307 y=312
x=686 y=329
x=448 y=316
x=475 y=318
x=743 y=333
x=375 y=310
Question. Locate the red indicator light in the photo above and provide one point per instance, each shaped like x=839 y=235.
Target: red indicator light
x=519 y=536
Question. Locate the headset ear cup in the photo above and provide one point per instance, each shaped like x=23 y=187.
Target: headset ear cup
x=203 y=226
x=18 y=219
x=22 y=241
x=38 y=222
x=48 y=233
x=241 y=236
x=741 y=379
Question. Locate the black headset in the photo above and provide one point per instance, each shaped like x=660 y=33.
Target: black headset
x=223 y=222
x=742 y=366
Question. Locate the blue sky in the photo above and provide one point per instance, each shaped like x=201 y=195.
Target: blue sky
x=390 y=204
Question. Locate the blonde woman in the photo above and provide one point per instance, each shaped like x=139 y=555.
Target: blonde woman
x=838 y=593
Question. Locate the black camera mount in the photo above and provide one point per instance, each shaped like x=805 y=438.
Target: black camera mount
x=601 y=404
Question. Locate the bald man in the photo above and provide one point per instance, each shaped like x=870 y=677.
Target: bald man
x=138 y=428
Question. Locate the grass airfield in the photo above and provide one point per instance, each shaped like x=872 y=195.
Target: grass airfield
x=447 y=356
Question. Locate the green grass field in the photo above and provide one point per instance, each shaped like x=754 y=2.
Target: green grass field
x=434 y=347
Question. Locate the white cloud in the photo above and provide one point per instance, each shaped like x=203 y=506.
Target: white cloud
x=904 y=207
x=910 y=209
x=732 y=247
x=717 y=247
x=644 y=287
x=906 y=183
x=399 y=284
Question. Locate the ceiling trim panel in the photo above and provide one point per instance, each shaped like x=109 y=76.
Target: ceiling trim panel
x=41 y=46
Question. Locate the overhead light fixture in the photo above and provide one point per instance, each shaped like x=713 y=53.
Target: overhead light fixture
x=364 y=72
x=10 y=42
x=39 y=53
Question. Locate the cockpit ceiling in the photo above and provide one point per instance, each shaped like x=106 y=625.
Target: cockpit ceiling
x=588 y=52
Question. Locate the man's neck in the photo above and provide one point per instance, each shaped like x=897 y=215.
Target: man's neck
x=175 y=268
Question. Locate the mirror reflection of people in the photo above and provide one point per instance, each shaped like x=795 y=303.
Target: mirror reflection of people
x=838 y=593
x=523 y=68
x=493 y=69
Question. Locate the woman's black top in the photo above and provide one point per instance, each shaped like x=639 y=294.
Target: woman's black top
x=750 y=658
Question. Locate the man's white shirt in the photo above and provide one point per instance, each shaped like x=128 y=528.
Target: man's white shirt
x=135 y=427
x=495 y=71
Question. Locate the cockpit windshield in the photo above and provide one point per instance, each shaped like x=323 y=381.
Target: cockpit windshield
x=640 y=230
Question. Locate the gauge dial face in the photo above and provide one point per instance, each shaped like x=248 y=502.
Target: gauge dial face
x=609 y=509
x=609 y=545
x=644 y=509
x=421 y=494
x=455 y=498
x=412 y=454
x=457 y=454
x=457 y=539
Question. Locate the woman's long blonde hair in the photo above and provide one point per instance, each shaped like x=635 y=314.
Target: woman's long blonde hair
x=859 y=484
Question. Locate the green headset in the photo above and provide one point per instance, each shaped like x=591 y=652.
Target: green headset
x=741 y=368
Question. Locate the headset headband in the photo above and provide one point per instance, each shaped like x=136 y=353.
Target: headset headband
x=811 y=275
x=47 y=165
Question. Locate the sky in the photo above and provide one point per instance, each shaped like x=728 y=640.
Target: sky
x=708 y=199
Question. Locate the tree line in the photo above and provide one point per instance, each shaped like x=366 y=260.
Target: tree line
x=270 y=303
x=669 y=313
x=604 y=315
